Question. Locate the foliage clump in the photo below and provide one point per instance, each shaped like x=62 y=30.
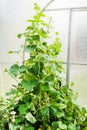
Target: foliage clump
x=40 y=100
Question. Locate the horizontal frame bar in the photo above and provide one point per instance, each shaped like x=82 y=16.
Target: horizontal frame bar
x=72 y=8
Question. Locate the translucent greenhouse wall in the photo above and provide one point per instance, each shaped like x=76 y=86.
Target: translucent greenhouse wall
x=69 y=19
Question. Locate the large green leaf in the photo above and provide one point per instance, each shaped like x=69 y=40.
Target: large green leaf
x=18 y=120
x=59 y=114
x=45 y=113
x=71 y=127
x=29 y=117
x=53 y=92
x=62 y=126
x=34 y=69
x=14 y=70
x=30 y=48
x=55 y=111
x=22 y=109
x=23 y=68
x=69 y=118
x=33 y=82
x=29 y=85
x=55 y=125
x=26 y=84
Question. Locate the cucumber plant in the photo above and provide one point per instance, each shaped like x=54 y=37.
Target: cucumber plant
x=40 y=100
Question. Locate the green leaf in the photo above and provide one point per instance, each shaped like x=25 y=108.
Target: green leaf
x=19 y=35
x=41 y=14
x=71 y=127
x=53 y=92
x=29 y=39
x=59 y=114
x=34 y=69
x=45 y=87
x=36 y=37
x=33 y=82
x=14 y=70
x=30 y=28
x=50 y=78
x=31 y=106
x=36 y=7
x=29 y=48
x=61 y=106
x=12 y=92
x=45 y=113
x=44 y=57
x=13 y=52
x=69 y=118
x=55 y=47
x=45 y=44
x=18 y=120
x=11 y=126
x=55 y=110
x=10 y=52
x=29 y=85
x=22 y=109
x=62 y=126
x=85 y=128
x=29 y=117
x=55 y=125
x=84 y=111
x=56 y=33
x=22 y=68
x=26 y=84
x=42 y=33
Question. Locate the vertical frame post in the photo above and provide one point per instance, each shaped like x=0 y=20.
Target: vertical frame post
x=68 y=49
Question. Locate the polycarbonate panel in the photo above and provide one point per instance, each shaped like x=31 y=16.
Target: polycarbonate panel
x=6 y=80
x=13 y=17
x=78 y=75
x=67 y=4
x=1 y=82
x=1 y=78
x=60 y=23
x=63 y=74
x=79 y=37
